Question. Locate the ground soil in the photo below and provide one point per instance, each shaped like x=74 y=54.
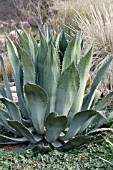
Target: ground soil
x=13 y=147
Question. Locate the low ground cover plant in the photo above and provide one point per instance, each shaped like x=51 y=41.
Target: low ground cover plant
x=85 y=157
x=50 y=78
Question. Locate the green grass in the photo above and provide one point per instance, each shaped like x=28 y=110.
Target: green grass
x=84 y=158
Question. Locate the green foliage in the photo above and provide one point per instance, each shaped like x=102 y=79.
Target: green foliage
x=82 y=158
x=52 y=111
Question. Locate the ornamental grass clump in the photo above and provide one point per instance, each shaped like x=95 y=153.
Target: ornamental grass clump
x=50 y=78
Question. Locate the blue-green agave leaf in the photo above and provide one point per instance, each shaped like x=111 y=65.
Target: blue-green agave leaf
x=51 y=76
x=3 y=119
x=61 y=42
x=54 y=126
x=2 y=91
x=77 y=122
x=24 y=42
x=16 y=140
x=12 y=55
x=83 y=69
x=75 y=142
x=28 y=43
x=48 y=35
x=73 y=52
x=37 y=100
x=35 y=44
x=95 y=100
x=89 y=98
x=67 y=88
x=57 y=144
x=99 y=120
x=23 y=130
x=28 y=67
x=31 y=47
x=42 y=53
x=103 y=103
x=85 y=126
x=12 y=108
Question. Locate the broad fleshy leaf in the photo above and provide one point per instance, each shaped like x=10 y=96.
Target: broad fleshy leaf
x=51 y=76
x=75 y=142
x=12 y=108
x=54 y=126
x=24 y=42
x=37 y=100
x=31 y=47
x=67 y=88
x=73 y=52
x=101 y=120
x=61 y=44
x=89 y=98
x=77 y=122
x=16 y=140
x=42 y=53
x=28 y=66
x=12 y=55
x=3 y=119
x=83 y=69
x=57 y=144
x=23 y=130
x=35 y=45
x=103 y=103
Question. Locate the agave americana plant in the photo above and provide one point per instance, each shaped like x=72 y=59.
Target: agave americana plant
x=50 y=78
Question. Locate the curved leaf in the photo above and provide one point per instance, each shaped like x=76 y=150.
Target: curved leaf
x=20 y=140
x=77 y=122
x=61 y=45
x=42 y=53
x=73 y=52
x=37 y=100
x=28 y=67
x=35 y=44
x=54 y=126
x=89 y=98
x=12 y=55
x=3 y=119
x=23 y=130
x=83 y=68
x=75 y=142
x=30 y=44
x=67 y=88
x=100 y=130
x=24 y=42
x=62 y=42
x=12 y=108
x=51 y=76
x=103 y=103
x=57 y=144
x=101 y=120
x=2 y=91
x=31 y=47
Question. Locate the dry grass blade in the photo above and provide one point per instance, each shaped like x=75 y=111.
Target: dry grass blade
x=97 y=24
x=105 y=160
